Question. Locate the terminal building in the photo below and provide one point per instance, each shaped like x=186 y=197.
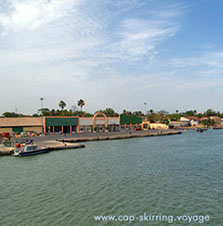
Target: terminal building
x=20 y=124
x=69 y=124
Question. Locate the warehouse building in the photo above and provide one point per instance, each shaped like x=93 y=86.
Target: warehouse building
x=23 y=124
x=60 y=124
x=69 y=124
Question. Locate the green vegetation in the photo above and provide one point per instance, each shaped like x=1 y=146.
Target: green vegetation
x=161 y=116
x=135 y=113
x=137 y=116
x=165 y=117
x=81 y=103
x=62 y=104
x=12 y=114
x=109 y=112
x=208 y=122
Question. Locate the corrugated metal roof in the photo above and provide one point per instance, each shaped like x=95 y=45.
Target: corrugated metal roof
x=23 y=121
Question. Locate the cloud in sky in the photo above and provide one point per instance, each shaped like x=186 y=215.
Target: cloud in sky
x=29 y=15
x=106 y=52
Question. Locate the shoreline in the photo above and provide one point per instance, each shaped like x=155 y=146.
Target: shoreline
x=50 y=145
x=54 y=143
x=120 y=136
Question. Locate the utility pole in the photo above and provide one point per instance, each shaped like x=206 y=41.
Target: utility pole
x=145 y=111
x=41 y=99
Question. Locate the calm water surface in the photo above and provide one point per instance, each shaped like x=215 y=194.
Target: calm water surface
x=172 y=175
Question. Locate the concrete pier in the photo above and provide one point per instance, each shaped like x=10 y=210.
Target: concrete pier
x=97 y=137
x=55 y=145
x=50 y=145
x=6 y=150
x=62 y=142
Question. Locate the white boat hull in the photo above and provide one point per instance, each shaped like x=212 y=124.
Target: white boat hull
x=28 y=153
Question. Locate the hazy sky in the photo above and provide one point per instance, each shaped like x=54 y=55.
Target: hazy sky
x=111 y=53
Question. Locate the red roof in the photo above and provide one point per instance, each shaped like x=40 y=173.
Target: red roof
x=204 y=118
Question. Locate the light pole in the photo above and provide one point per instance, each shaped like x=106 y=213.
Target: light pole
x=145 y=111
x=41 y=99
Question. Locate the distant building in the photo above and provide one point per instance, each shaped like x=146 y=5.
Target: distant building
x=68 y=124
x=178 y=124
x=215 y=118
x=147 y=125
x=195 y=118
x=194 y=123
x=184 y=119
x=203 y=118
x=20 y=124
x=192 y=120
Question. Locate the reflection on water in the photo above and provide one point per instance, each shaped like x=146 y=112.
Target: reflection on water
x=172 y=175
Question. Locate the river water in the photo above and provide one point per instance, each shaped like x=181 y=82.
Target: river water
x=179 y=175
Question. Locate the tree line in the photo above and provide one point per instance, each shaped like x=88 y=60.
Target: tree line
x=153 y=116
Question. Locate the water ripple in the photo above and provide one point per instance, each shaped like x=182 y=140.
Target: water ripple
x=173 y=175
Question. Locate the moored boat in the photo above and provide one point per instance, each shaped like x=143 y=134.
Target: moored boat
x=27 y=149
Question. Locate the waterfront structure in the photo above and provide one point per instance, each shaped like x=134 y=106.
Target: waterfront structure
x=204 y=118
x=147 y=125
x=194 y=123
x=195 y=118
x=100 y=124
x=69 y=124
x=183 y=119
x=129 y=121
x=216 y=119
x=158 y=126
x=191 y=120
x=178 y=124
x=20 y=124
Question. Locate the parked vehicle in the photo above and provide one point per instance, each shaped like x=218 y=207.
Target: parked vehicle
x=6 y=135
x=138 y=129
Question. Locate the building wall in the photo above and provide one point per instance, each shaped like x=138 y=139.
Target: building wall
x=176 y=124
x=61 y=121
x=20 y=121
x=113 y=120
x=17 y=129
x=215 y=118
x=28 y=124
x=129 y=119
x=158 y=126
x=99 y=121
x=147 y=125
x=37 y=129
x=85 y=121
x=86 y=129
x=5 y=130
x=183 y=119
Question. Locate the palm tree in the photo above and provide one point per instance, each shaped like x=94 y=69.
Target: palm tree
x=151 y=111
x=177 y=111
x=62 y=104
x=81 y=103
